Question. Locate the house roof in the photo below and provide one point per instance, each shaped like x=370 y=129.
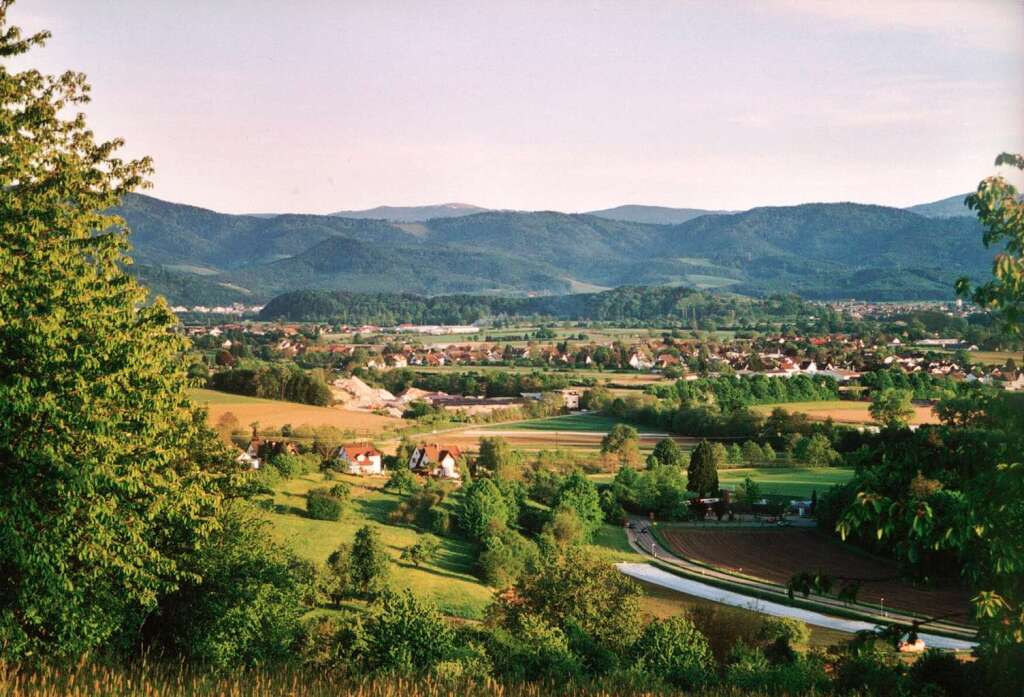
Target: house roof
x=436 y=453
x=352 y=452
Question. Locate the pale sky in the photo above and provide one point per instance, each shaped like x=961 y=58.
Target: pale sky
x=319 y=105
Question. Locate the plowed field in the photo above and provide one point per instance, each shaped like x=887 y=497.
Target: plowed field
x=775 y=555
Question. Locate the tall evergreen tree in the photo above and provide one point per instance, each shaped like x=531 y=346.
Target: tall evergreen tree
x=102 y=483
x=702 y=474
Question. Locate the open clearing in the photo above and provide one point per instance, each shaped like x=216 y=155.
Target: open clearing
x=775 y=555
x=841 y=411
x=273 y=414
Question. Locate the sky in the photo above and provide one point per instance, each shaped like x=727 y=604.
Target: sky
x=258 y=106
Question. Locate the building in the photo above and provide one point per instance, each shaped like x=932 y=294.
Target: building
x=435 y=460
x=360 y=459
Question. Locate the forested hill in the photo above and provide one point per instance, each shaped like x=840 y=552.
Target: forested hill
x=837 y=250
x=632 y=304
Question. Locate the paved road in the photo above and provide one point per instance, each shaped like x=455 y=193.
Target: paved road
x=660 y=577
x=641 y=540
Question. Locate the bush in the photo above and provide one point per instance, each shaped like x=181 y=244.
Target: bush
x=939 y=669
x=402 y=481
x=342 y=491
x=321 y=504
x=440 y=522
x=676 y=652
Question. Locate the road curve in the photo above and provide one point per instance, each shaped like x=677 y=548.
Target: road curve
x=659 y=577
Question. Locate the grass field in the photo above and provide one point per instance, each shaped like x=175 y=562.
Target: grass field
x=449 y=581
x=842 y=411
x=273 y=414
x=798 y=482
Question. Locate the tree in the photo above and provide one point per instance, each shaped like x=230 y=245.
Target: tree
x=892 y=408
x=577 y=589
x=1001 y=213
x=768 y=452
x=749 y=492
x=667 y=453
x=321 y=504
x=752 y=453
x=815 y=450
x=675 y=651
x=423 y=550
x=579 y=495
x=498 y=457
x=702 y=474
x=370 y=564
x=482 y=505
x=615 y=441
x=339 y=573
x=105 y=464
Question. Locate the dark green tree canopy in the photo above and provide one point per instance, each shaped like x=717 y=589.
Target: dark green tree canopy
x=702 y=474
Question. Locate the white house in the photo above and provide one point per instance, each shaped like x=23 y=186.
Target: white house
x=360 y=459
x=436 y=461
x=638 y=361
x=247 y=458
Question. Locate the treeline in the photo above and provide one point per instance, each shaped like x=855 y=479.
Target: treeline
x=685 y=306
x=922 y=385
x=273 y=381
x=495 y=383
x=731 y=392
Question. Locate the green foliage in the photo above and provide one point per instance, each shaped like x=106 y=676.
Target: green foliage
x=499 y=458
x=481 y=506
x=674 y=650
x=279 y=381
x=1001 y=213
x=892 y=408
x=321 y=504
x=816 y=450
x=667 y=453
x=402 y=480
x=243 y=607
x=752 y=453
x=574 y=588
x=615 y=441
x=579 y=494
x=403 y=635
x=338 y=577
x=749 y=493
x=370 y=566
x=506 y=556
x=422 y=551
x=106 y=486
x=702 y=474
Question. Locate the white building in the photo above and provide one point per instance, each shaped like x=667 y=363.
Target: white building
x=360 y=459
x=436 y=461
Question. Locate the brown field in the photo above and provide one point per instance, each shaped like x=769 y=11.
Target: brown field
x=846 y=412
x=273 y=414
x=775 y=555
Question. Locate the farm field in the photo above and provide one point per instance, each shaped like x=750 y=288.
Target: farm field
x=797 y=482
x=842 y=411
x=272 y=413
x=775 y=555
x=624 y=377
x=569 y=422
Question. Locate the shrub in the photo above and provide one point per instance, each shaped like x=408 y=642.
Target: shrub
x=423 y=550
x=402 y=481
x=342 y=491
x=942 y=670
x=321 y=504
x=675 y=651
x=440 y=522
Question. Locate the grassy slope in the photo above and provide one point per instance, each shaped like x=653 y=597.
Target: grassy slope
x=448 y=581
x=570 y=422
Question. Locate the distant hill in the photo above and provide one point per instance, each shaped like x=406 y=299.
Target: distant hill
x=413 y=214
x=951 y=207
x=834 y=250
x=655 y=215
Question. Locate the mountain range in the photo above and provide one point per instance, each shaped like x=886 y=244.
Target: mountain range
x=818 y=250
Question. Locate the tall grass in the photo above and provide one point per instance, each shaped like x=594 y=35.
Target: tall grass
x=152 y=680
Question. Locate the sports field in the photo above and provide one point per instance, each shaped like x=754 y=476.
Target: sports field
x=273 y=414
x=842 y=411
x=775 y=555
